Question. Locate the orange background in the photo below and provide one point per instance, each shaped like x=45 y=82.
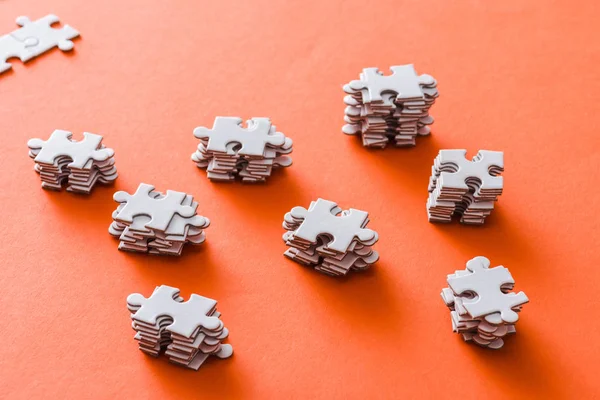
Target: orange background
x=517 y=76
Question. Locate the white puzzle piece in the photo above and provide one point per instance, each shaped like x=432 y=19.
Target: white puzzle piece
x=319 y=220
x=80 y=152
x=486 y=283
x=230 y=151
x=481 y=307
x=253 y=139
x=465 y=188
x=80 y=163
x=33 y=39
x=151 y=222
x=160 y=210
x=403 y=82
x=188 y=332
x=333 y=244
x=478 y=168
x=187 y=316
x=389 y=109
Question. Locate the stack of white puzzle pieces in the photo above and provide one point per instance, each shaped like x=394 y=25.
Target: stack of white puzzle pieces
x=329 y=239
x=229 y=150
x=157 y=223
x=392 y=108
x=80 y=163
x=482 y=307
x=465 y=188
x=34 y=38
x=190 y=331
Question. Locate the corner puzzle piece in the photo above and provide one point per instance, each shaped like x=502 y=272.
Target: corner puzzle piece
x=478 y=168
x=490 y=300
x=320 y=219
x=160 y=210
x=253 y=139
x=403 y=81
x=187 y=315
x=34 y=38
x=80 y=152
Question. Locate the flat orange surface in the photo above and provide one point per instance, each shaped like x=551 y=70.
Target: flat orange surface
x=518 y=76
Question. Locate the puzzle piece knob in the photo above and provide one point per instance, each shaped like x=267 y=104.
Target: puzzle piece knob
x=66 y=45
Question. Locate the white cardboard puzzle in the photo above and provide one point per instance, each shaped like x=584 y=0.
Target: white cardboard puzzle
x=33 y=39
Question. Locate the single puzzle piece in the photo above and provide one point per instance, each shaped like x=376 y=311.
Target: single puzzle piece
x=320 y=219
x=187 y=316
x=490 y=301
x=253 y=139
x=403 y=81
x=480 y=169
x=80 y=152
x=160 y=210
x=34 y=38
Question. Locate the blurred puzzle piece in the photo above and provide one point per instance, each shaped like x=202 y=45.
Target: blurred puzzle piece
x=34 y=38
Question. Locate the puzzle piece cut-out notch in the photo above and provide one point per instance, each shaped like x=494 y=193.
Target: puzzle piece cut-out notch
x=486 y=283
x=33 y=39
x=403 y=81
x=228 y=130
x=321 y=219
x=80 y=152
x=187 y=315
x=160 y=210
x=480 y=167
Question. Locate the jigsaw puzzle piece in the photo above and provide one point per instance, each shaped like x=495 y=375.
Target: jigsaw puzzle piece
x=480 y=168
x=160 y=210
x=253 y=139
x=490 y=301
x=404 y=82
x=187 y=315
x=60 y=144
x=46 y=36
x=321 y=219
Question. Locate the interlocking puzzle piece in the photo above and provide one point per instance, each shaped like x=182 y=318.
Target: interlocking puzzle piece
x=403 y=81
x=228 y=130
x=187 y=315
x=34 y=38
x=490 y=301
x=479 y=168
x=60 y=144
x=321 y=219
x=160 y=210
